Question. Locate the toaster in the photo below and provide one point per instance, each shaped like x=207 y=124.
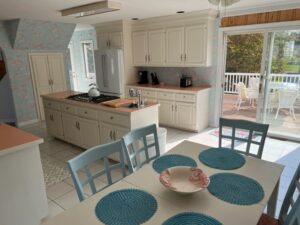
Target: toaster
x=185 y=81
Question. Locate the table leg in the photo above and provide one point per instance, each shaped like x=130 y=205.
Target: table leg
x=271 y=208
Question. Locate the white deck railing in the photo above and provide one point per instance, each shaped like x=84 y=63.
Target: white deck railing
x=233 y=78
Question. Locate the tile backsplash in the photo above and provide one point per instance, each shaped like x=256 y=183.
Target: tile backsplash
x=172 y=75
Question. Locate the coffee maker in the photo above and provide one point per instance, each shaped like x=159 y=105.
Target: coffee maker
x=143 y=77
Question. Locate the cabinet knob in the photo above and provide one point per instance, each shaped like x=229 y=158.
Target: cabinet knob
x=111 y=117
x=85 y=112
x=67 y=108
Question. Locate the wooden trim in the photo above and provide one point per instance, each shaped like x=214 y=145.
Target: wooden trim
x=261 y=18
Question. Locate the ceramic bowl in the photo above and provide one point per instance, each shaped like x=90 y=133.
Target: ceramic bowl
x=184 y=179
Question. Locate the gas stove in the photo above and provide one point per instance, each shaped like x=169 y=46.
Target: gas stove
x=84 y=97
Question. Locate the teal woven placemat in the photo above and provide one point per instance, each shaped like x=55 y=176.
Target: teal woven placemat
x=235 y=188
x=222 y=158
x=168 y=161
x=126 y=207
x=191 y=218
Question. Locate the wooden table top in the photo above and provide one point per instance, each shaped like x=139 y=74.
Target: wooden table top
x=171 y=203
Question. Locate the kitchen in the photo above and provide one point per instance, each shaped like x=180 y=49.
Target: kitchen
x=83 y=85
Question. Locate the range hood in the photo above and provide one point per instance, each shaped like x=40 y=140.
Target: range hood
x=92 y=9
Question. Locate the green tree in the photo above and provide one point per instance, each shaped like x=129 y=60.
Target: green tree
x=244 y=53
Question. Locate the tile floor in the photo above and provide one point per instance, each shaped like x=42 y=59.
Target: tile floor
x=62 y=196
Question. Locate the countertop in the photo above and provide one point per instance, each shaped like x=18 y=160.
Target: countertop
x=61 y=96
x=11 y=138
x=173 y=87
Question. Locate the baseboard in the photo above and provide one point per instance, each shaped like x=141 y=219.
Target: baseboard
x=29 y=122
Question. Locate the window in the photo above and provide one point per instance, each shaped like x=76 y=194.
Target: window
x=88 y=57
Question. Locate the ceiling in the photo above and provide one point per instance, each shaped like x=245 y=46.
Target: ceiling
x=49 y=9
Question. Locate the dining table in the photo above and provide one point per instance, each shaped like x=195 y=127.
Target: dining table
x=170 y=203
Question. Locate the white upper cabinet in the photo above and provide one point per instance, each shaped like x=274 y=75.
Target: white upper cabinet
x=148 y=47
x=175 y=40
x=175 y=46
x=140 y=48
x=156 y=47
x=195 y=45
x=109 y=40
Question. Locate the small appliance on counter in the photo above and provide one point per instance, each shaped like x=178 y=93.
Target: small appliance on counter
x=154 y=79
x=143 y=77
x=185 y=81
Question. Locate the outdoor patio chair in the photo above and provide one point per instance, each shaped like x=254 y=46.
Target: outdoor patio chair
x=290 y=209
x=140 y=151
x=286 y=100
x=254 y=130
x=83 y=162
x=245 y=94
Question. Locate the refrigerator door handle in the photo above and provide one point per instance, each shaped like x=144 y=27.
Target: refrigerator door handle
x=105 y=71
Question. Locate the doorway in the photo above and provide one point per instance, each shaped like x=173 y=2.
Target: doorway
x=261 y=79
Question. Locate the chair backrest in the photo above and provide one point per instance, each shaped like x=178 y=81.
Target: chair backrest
x=254 y=131
x=242 y=90
x=101 y=153
x=290 y=209
x=254 y=83
x=140 y=151
x=287 y=98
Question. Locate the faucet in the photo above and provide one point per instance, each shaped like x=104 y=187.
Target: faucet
x=137 y=93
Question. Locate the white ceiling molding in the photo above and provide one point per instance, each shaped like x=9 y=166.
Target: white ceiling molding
x=223 y=3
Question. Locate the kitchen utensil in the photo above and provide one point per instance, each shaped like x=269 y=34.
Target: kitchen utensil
x=154 y=79
x=184 y=179
x=94 y=90
x=185 y=81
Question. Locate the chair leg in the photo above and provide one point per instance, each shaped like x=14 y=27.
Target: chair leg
x=239 y=106
x=277 y=113
x=293 y=113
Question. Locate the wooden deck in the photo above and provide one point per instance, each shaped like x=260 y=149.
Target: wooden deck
x=284 y=124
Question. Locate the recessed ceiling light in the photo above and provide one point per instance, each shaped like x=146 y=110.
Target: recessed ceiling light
x=92 y=9
x=135 y=18
x=180 y=12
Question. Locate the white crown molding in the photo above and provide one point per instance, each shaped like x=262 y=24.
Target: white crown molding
x=260 y=8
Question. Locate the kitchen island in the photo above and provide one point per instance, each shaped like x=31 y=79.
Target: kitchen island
x=89 y=124
x=23 y=193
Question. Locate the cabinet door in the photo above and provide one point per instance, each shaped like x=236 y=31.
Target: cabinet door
x=57 y=72
x=89 y=133
x=102 y=40
x=106 y=133
x=175 y=46
x=140 y=48
x=156 y=47
x=115 y=40
x=71 y=129
x=166 y=112
x=195 y=45
x=40 y=72
x=185 y=115
x=54 y=123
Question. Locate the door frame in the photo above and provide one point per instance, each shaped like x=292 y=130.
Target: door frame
x=222 y=51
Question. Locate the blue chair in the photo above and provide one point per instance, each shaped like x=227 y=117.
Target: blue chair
x=290 y=209
x=83 y=161
x=243 y=125
x=139 y=151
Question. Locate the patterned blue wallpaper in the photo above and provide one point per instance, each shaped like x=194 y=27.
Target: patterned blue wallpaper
x=17 y=59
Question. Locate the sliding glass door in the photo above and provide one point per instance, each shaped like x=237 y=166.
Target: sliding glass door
x=279 y=98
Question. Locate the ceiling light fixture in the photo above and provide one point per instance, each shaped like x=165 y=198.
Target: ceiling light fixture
x=223 y=3
x=92 y=9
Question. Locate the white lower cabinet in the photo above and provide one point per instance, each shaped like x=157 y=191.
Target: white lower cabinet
x=166 y=112
x=71 y=129
x=185 y=115
x=89 y=133
x=54 y=123
x=111 y=132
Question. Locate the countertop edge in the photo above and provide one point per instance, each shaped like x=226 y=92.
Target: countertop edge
x=13 y=149
x=173 y=88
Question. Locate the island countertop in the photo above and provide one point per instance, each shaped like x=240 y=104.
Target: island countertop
x=14 y=139
x=62 y=97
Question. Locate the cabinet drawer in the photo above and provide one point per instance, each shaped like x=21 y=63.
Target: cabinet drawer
x=165 y=95
x=87 y=113
x=185 y=97
x=51 y=104
x=68 y=108
x=148 y=94
x=114 y=118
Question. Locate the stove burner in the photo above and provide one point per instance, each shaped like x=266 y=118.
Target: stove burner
x=84 y=97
